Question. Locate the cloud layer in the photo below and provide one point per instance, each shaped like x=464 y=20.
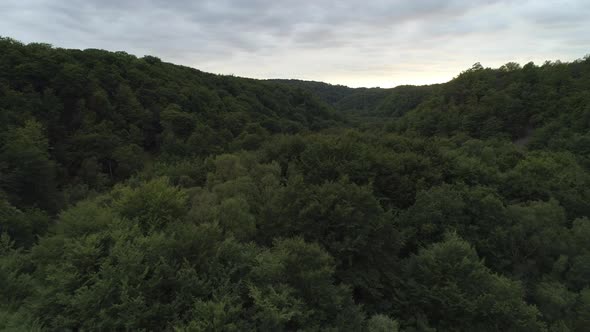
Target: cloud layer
x=358 y=43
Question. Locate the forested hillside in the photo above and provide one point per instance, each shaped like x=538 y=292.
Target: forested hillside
x=140 y=195
x=100 y=115
x=367 y=102
x=329 y=93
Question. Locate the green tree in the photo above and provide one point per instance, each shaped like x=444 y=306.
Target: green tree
x=153 y=204
x=29 y=173
x=452 y=287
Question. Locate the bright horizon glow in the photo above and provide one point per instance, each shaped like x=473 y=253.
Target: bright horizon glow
x=443 y=75
x=376 y=43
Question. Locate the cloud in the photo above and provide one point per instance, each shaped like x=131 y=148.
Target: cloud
x=351 y=42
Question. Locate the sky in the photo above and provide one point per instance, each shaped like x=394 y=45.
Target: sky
x=355 y=43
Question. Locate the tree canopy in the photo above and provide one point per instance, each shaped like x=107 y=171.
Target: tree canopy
x=140 y=195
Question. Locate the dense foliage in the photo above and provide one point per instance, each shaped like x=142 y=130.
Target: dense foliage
x=140 y=195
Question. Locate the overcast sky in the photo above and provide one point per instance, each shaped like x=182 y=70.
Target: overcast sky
x=356 y=43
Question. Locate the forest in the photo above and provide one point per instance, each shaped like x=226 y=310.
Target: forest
x=139 y=195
